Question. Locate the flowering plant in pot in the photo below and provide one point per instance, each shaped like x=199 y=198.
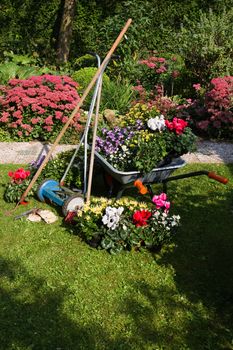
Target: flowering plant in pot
x=144 y=140
x=126 y=224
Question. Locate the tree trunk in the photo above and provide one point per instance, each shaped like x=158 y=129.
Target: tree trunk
x=65 y=32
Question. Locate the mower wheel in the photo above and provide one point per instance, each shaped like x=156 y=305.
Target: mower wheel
x=73 y=203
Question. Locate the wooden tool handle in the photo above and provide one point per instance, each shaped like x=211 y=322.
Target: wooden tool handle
x=213 y=175
x=79 y=104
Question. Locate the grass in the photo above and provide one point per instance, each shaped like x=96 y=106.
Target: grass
x=58 y=293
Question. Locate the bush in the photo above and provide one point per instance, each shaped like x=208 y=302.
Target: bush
x=206 y=45
x=213 y=113
x=83 y=77
x=37 y=107
x=21 y=67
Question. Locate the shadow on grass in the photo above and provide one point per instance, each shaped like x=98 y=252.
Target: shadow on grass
x=203 y=258
x=32 y=318
x=180 y=324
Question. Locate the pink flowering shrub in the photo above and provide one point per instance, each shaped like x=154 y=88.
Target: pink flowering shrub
x=219 y=104
x=159 y=71
x=212 y=112
x=37 y=107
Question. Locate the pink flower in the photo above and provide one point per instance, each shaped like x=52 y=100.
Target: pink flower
x=49 y=120
x=197 y=87
x=35 y=120
x=175 y=74
x=161 y=59
x=160 y=201
x=18 y=114
x=203 y=124
x=161 y=70
x=58 y=115
x=48 y=128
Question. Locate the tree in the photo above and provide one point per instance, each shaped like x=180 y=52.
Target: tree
x=65 y=32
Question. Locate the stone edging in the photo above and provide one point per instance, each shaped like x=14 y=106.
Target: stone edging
x=26 y=152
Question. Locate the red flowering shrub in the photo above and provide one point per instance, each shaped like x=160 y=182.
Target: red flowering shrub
x=158 y=71
x=37 y=107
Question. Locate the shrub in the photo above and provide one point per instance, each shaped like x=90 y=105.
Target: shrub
x=160 y=70
x=215 y=116
x=21 y=67
x=206 y=45
x=37 y=107
x=83 y=77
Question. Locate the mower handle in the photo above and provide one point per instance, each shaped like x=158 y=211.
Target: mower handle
x=94 y=54
x=214 y=176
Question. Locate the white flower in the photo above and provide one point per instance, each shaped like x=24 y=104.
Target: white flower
x=124 y=148
x=112 y=217
x=157 y=123
x=157 y=214
x=174 y=223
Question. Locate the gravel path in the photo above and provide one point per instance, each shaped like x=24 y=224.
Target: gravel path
x=25 y=152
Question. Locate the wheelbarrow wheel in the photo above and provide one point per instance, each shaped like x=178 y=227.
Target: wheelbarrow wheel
x=73 y=203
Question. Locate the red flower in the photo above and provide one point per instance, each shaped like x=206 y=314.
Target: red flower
x=178 y=125
x=19 y=175
x=140 y=217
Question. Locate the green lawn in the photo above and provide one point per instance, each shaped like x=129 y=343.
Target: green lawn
x=58 y=293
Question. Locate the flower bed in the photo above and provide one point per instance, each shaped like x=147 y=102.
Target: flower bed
x=37 y=107
x=126 y=224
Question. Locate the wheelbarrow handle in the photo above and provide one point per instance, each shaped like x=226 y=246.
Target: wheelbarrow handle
x=141 y=188
x=213 y=175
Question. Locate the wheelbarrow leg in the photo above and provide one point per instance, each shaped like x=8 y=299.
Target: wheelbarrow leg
x=120 y=193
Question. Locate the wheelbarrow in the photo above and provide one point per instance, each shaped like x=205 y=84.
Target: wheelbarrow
x=118 y=181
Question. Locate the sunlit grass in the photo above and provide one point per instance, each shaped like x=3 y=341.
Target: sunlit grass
x=58 y=293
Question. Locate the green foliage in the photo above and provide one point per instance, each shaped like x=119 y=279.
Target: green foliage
x=180 y=144
x=21 y=67
x=4 y=136
x=83 y=77
x=56 y=167
x=149 y=152
x=117 y=95
x=206 y=45
x=13 y=191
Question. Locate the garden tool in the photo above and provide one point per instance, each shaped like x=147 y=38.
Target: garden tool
x=76 y=109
